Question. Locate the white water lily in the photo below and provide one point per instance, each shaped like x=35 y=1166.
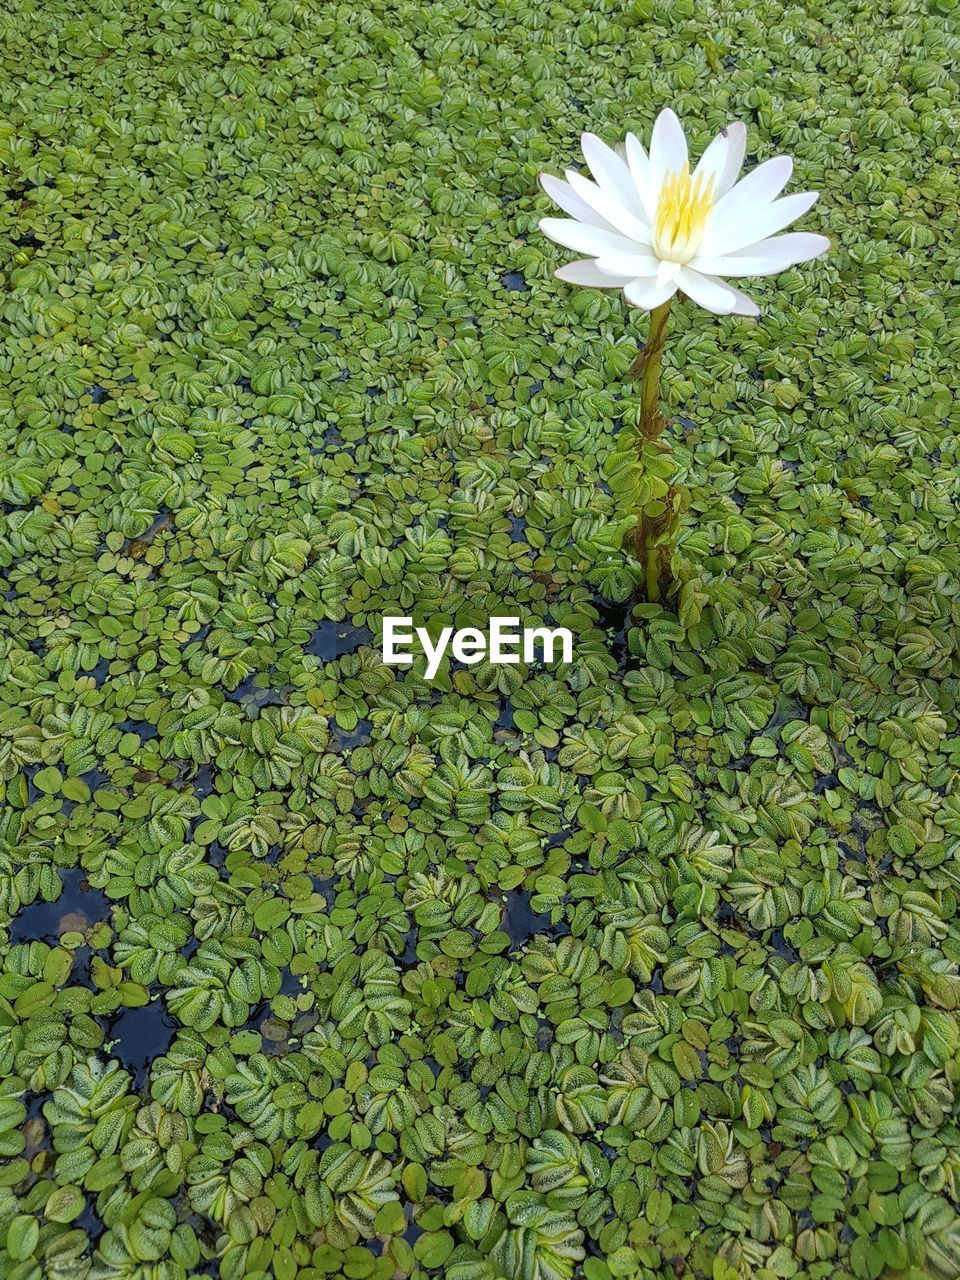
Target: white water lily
x=649 y=226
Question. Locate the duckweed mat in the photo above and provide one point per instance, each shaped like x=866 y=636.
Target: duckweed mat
x=647 y=965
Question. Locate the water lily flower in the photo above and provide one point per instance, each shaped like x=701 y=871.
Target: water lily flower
x=651 y=227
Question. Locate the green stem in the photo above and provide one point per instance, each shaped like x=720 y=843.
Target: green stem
x=655 y=558
x=651 y=423
x=652 y=557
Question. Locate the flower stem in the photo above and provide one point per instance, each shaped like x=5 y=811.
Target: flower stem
x=651 y=422
x=650 y=547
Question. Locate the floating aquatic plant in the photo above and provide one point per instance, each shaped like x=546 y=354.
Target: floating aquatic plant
x=641 y=967
x=651 y=227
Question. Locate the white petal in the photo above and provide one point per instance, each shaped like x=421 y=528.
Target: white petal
x=766 y=257
x=743 y=306
x=648 y=294
x=723 y=158
x=561 y=193
x=585 y=271
x=642 y=175
x=611 y=172
x=667 y=272
x=737 y=303
x=668 y=147
x=710 y=293
x=629 y=264
x=759 y=187
x=765 y=182
x=592 y=241
x=611 y=209
x=737 y=149
x=727 y=234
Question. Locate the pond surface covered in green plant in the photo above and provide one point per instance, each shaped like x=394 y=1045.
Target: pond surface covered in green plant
x=643 y=966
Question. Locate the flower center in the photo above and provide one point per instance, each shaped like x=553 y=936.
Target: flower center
x=682 y=213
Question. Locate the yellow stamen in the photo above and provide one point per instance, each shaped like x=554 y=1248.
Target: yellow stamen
x=682 y=213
